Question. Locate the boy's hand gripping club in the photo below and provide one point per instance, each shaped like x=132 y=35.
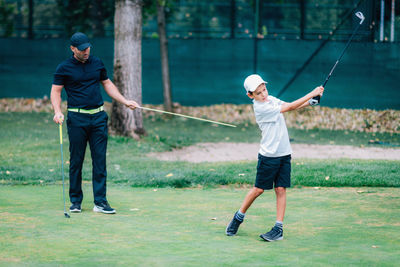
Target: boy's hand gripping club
x=315 y=100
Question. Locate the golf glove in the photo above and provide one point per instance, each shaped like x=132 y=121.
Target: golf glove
x=313 y=102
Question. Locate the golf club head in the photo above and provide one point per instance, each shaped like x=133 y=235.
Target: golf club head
x=360 y=15
x=66 y=215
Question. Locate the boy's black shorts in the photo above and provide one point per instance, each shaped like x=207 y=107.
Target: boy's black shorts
x=273 y=172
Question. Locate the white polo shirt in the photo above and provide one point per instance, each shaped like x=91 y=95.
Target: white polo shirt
x=275 y=138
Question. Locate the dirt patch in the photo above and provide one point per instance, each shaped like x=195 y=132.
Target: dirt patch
x=217 y=152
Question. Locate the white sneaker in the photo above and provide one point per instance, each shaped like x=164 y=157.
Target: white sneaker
x=103 y=208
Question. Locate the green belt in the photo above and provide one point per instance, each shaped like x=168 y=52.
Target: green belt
x=87 y=111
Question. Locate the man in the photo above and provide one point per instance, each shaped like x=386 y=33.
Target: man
x=80 y=75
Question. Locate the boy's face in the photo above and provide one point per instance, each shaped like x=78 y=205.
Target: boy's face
x=260 y=94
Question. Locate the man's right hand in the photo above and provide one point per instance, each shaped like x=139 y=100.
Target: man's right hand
x=58 y=118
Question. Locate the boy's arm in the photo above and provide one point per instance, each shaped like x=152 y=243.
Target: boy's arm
x=304 y=105
x=301 y=102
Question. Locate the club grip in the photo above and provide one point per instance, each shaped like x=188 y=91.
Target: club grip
x=61 y=139
x=314 y=101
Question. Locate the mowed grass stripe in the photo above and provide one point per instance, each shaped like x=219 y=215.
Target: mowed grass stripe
x=185 y=227
x=30 y=154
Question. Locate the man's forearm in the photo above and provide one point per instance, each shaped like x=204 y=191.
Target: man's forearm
x=113 y=92
x=55 y=97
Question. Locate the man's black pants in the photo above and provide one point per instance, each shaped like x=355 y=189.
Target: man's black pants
x=84 y=128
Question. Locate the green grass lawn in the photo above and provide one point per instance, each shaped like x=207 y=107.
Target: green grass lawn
x=185 y=227
x=30 y=154
x=175 y=213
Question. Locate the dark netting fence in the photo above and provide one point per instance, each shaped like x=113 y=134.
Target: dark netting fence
x=212 y=48
x=210 y=71
x=277 y=19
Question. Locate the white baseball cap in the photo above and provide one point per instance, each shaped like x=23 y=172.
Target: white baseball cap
x=252 y=82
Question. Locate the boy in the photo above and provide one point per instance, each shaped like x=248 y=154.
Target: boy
x=273 y=169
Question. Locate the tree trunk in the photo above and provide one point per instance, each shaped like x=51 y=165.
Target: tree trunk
x=128 y=67
x=164 y=55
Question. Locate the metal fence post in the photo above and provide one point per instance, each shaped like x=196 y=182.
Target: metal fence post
x=392 y=23
x=381 y=29
x=256 y=26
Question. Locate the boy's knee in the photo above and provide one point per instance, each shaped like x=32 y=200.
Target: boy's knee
x=258 y=191
x=280 y=190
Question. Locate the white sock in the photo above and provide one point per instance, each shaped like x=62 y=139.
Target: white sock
x=240 y=216
x=279 y=224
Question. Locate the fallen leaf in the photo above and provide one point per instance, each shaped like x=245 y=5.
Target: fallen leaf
x=214 y=219
x=134 y=209
x=169 y=175
x=363 y=120
x=241 y=174
x=327 y=178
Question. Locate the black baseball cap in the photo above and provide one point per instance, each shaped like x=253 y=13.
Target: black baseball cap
x=80 y=41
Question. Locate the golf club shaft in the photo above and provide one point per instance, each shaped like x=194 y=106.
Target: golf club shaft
x=62 y=169
x=189 y=117
x=340 y=57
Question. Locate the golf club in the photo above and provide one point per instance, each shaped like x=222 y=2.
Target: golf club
x=186 y=116
x=315 y=100
x=62 y=171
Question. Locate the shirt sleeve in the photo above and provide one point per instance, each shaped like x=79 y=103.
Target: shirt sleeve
x=277 y=100
x=103 y=72
x=268 y=112
x=59 y=77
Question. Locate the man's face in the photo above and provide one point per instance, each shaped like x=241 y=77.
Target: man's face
x=260 y=94
x=82 y=56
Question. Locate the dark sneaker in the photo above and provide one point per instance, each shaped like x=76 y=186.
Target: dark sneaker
x=75 y=207
x=104 y=208
x=233 y=226
x=275 y=234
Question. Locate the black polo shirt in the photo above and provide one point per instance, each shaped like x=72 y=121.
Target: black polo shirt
x=81 y=81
